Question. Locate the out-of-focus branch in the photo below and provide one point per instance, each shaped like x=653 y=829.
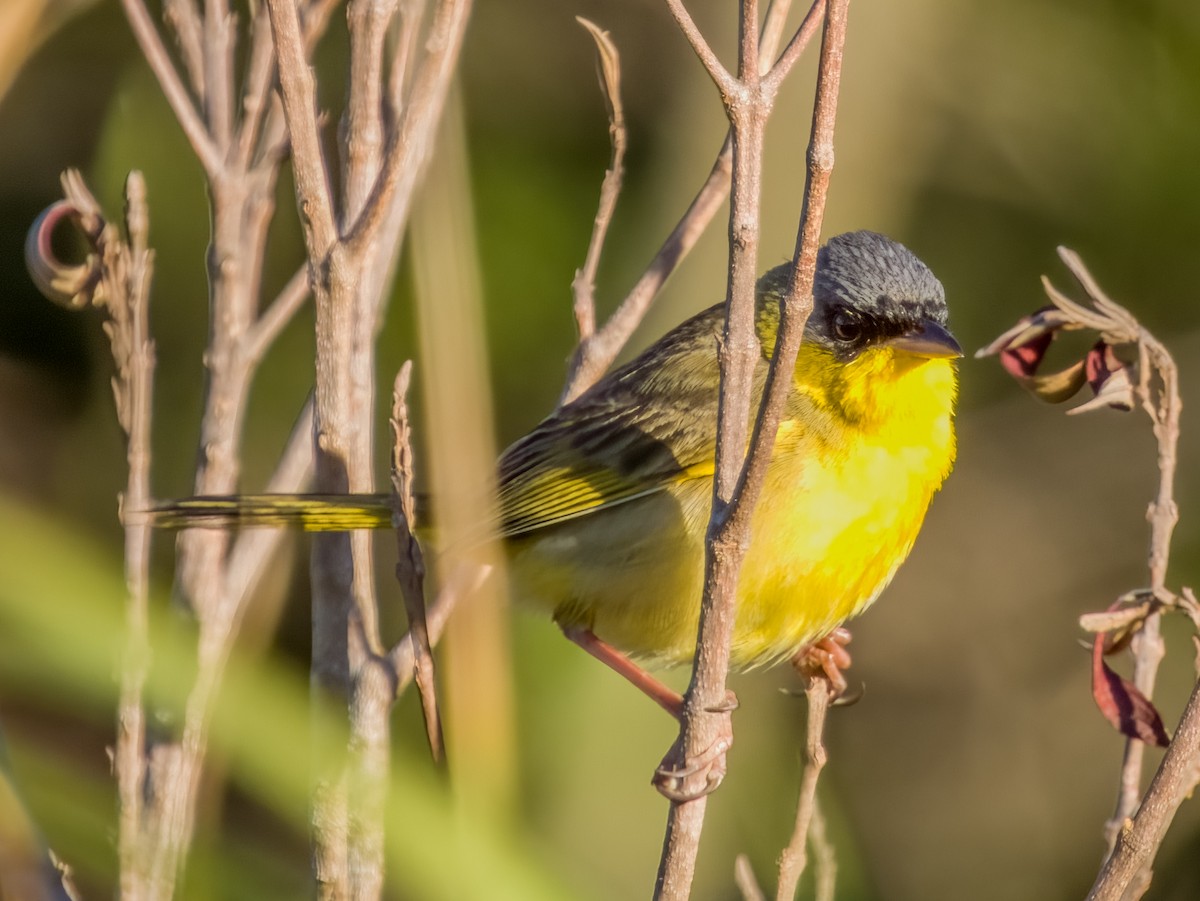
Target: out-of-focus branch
x=172 y=86
x=299 y=94
x=116 y=279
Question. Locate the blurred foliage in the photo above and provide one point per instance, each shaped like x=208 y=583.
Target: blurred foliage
x=980 y=134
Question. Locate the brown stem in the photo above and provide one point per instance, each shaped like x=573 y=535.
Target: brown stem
x=172 y=86
x=738 y=482
x=594 y=355
x=1126 y=873
x=795 y=856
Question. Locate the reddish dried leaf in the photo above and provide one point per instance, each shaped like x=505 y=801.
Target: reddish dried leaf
x=1023 y=360
x=1110 y=378
x=1131 y=712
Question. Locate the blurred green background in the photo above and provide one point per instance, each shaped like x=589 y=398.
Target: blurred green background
x=982 y=135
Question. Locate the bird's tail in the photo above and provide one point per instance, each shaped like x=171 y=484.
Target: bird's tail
x=310 y=512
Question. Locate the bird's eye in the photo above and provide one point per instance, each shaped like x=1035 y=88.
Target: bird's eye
x=847 y=326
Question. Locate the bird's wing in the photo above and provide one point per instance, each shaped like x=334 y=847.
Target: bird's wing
x=647 y=426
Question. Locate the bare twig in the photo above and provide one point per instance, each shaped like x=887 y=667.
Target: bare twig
x=410 y=570
x=1138 y=824
x=584 y=285
x=746 y=881
x=794 y=858
x=722 y=77
x=1126 y=873
x=277 y=315
x=219 y=41
x=299 y=94
x=595 y=354
x=172 y=86
x=738 y=481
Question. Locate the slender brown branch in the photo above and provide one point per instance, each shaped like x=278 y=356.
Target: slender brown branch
x=746 y=881
x=173 y=89
x=794 y=858
x=183 y=17
x=1126 y=872
x=299 y=95
x=738 y=481
x=594 y=355
x=218 y=71
x=362 y=123
x=461 y=584
x=724 y=80
x=405 y=156
x=410 y=566
x=584 y=284
x=255 y=546
x=256 y=95
x=277 y=315
x=795 y=49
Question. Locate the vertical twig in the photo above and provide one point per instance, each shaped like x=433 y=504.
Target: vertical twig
x=410 y=568
x=738 y=481
x=584 y=284
x=593 y=355
x=795 y=856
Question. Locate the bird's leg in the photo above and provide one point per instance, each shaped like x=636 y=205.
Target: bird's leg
x=678 y=777
x=827 y=657
x=666 y=698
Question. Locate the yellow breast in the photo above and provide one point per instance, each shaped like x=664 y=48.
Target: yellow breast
x=863 y=449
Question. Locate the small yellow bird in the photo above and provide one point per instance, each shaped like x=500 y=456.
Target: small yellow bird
x=604 y=506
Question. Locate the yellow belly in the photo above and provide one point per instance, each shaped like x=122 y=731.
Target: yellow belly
x=839 y=513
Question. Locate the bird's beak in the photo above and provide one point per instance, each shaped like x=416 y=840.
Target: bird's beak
x=928 y=340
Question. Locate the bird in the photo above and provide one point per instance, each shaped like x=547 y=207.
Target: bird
x=603 y=507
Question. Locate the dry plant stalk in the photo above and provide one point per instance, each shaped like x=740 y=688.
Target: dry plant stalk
x=1148 y=378
x=115 y=278
x=748 y=99
x=237 y=129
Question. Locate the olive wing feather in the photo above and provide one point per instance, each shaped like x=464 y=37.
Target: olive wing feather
x=645 y=427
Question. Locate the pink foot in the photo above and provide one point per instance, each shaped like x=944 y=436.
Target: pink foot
x=827 y=658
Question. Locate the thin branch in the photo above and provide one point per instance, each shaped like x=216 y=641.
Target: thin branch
x=184 y=19
x=1163 y=408
x=257 y=93
x=722 y=78
x=1139 y=839
x=218 y=71
x=299 y=95
x=255 y=546
x=172 y=86
x=738 y=482
x=409 y=144
x=362 y=122
x=794 y=858
x=404 y=52
x=773 y=79
x=584 y=284
x=462 y=584
x=746 y=881
x=593 y=356
x=278 y=314
x=410 y=565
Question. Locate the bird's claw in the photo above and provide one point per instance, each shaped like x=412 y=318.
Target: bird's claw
x=681 y=778
x=827 y=658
